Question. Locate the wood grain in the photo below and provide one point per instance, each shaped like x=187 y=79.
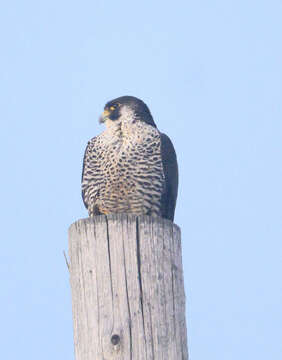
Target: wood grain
x=127 y=289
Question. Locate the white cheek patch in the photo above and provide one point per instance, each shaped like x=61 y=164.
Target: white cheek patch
x=127 y=115
x=112 y=123
x=124 y=123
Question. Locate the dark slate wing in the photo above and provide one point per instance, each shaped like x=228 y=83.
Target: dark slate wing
x=170 y=167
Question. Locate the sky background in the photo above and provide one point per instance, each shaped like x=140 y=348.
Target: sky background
x=211 y=74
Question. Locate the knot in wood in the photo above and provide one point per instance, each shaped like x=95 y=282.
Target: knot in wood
x=115 y=339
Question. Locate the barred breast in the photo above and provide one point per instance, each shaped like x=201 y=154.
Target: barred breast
x=123 y=172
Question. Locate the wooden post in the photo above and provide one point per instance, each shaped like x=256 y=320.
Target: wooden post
x=127 y=289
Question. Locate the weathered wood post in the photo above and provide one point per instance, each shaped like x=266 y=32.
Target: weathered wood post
x=127 y=289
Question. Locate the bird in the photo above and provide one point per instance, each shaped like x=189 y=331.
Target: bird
x=131 y=167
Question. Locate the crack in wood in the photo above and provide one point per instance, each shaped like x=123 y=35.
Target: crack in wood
x=127 y=298
x=110 y=263
x=139 y=268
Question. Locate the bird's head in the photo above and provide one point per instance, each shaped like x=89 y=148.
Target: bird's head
x=126 y=109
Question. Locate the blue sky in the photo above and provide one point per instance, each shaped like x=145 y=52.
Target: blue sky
x=210 y=71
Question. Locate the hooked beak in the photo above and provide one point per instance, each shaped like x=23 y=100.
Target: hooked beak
x=104 y=117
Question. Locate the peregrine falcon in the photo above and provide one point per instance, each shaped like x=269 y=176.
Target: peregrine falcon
x=131 y=167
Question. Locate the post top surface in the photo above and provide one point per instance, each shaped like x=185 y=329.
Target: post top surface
x=128 y=218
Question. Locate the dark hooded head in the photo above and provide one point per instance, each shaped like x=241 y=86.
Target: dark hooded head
x=136 y=108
